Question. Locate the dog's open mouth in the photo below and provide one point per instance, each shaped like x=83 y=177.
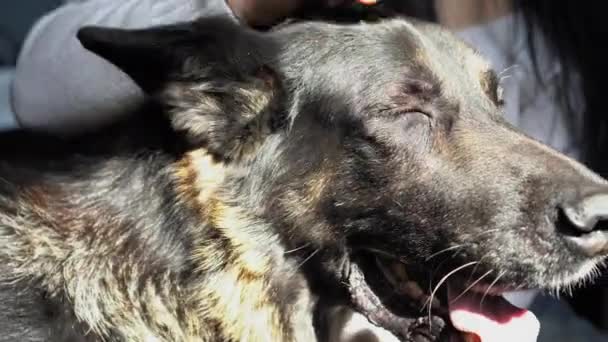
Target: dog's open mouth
x=394 y=296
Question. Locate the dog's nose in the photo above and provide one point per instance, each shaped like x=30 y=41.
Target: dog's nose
x=586 y=214
x=585 y=224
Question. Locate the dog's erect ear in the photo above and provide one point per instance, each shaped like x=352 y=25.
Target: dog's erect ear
x=154 y=56
x=144 y=54
x=213 y=76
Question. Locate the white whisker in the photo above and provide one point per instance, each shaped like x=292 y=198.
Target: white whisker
x=506 y=70
x=398 y=204
x=476 y=266
x=471 y=286
x=489 y=231
x=297 y=249
x=490 y=287
x=306 y=260
x=443 y=251
x=502 y=79
x=438 y=267
x=443 y=280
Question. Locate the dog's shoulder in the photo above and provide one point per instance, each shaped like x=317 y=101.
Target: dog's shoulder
x=85 y=219
x=129 y=237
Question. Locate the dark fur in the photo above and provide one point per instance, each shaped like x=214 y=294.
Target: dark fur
x=227 y=210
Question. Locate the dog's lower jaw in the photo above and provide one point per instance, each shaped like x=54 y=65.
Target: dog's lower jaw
x=364 y=300
x=348 y=325
x=354 y=301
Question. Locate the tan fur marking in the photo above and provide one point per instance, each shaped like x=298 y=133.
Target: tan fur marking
x=316 y=186
x=235 y=226
x=237 y=292
x=242 y=307
x=199 y=176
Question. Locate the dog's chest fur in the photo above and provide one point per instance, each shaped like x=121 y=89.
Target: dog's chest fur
x=144 y=248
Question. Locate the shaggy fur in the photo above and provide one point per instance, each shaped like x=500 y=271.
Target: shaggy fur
x=238 y=199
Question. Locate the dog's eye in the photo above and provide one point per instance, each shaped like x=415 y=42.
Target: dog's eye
x=414 y=119
x=415 y=131
x=500 y=95
x=497 y=96
x=492 y=88
x=409 y=130
x=403 y=121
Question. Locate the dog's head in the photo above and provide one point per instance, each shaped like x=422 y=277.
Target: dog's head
x=382 y=143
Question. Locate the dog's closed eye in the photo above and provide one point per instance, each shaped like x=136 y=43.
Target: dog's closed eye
x=411 y=130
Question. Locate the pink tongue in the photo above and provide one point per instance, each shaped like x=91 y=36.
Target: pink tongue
x=496 y=320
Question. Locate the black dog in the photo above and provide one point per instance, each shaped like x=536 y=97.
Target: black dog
x=276 y=176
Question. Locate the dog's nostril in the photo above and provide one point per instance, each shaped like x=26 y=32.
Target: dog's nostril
x=588 y=214
x=601 y=225
x=565 y=226
x=585 y=225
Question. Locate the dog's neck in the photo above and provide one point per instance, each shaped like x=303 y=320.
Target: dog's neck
x=244 y=269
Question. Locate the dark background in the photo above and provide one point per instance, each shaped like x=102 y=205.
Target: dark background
x=16 y=18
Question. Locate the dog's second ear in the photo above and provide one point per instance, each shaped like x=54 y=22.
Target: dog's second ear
x=213 y=76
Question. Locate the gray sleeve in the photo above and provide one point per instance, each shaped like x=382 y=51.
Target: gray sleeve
x=60 y=87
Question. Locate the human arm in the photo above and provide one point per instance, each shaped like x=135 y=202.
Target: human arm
x=61 y=87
